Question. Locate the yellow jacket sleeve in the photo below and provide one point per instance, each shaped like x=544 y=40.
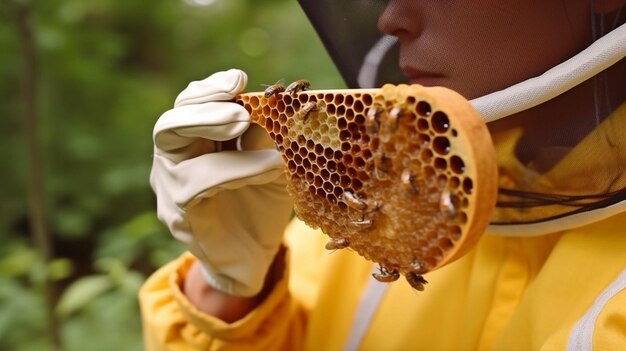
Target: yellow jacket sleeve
x=171 y=322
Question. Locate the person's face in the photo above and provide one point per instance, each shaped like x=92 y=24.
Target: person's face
x=480 y=46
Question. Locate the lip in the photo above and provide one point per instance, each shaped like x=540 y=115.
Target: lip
x=416 y=76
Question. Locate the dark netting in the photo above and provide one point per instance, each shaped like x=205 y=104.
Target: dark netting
x=336 y=22
x=562 y=144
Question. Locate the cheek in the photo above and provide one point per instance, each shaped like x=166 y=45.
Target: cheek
x=490 y=53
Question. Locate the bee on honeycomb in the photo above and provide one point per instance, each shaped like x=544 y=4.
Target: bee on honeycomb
x=297 y=86
x=274 y=89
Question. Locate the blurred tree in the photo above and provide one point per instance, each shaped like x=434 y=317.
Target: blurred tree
x=106 y=70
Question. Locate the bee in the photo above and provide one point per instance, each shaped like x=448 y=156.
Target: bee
x=372 y=120
x=336 y=244
x=363 y=222
x=274 y=89
x=382 y=165
x=418 y=266
x=408 y=181
x=298 y=85
x=446 y=204
x=307 y=108
x=354 y=201
x=385 y=275
x=416 y=281
x=394 y=117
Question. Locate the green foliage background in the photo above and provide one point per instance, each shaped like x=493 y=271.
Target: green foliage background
x=106 y=70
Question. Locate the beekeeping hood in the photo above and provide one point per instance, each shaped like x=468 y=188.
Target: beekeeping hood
x=560 y=133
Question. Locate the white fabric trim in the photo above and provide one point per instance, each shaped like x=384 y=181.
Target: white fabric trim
x=559 y=224
x=581 y=337
x=369 y=68
x=600 y=55
x=371 y=299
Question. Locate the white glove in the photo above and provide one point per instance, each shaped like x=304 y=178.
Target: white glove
x=229 y=207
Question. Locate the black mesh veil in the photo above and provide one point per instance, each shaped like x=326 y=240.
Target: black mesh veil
x=556 y=112
x=336 y=22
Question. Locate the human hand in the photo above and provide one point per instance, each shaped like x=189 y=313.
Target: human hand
x=220 y=184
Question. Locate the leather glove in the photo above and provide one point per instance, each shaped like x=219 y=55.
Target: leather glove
x=220 y=184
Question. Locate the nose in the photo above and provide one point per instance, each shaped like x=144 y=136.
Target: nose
x=399 y=18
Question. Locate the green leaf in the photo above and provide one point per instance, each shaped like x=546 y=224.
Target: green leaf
x=81 y=293
x=60 y=268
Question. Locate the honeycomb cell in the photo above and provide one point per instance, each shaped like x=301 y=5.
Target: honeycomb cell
x=325 y=174
x=367 y=99
x=442 y=180
x=454 y=182
x=468 y=185
x=426 y=155
x=341 y=168
x=291 y=166
x=321 y=161
x=331 y=166
x=328 y=153
x=457 y=165
x=254 y=102
x=345 y=181
x=445 y=244
x=367 y=154
x=348 y=100
x=454 y=232
x=359 y=163
x=441 y=145
x=342 y=124
x=338 y=99
x=309 y=176
x=320 y=192
x=289 y=153
x=280 y=106
x=349 y=115
x=423 y=125
x=358 y=106
x=341 y=110
x=324 y=128
x=296 y=104
x=440 y=163
x=440 y=122
x=423 y=139
x=319 y=149
x=303 y=152
x=318 y=181
x=423 y=108
x=338 y=190
x=345 y=135
x=300 y=171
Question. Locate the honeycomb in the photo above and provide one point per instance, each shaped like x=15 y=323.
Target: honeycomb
x=403 y=175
